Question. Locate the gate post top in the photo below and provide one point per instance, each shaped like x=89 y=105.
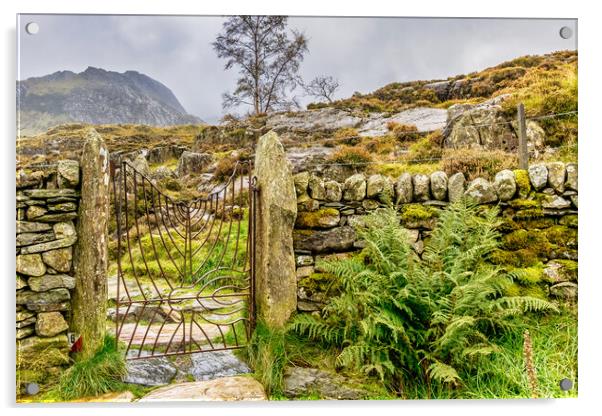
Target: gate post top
x=276 y=282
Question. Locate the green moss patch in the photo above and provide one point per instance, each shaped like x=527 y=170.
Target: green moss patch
x=322 y=218
x=523 y=185
x=562 y=236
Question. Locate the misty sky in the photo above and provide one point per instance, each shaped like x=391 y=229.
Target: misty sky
x=363 y=53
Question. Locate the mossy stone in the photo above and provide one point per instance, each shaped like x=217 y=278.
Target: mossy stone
x=523 y=185
x=322 y=218
x=419 y=216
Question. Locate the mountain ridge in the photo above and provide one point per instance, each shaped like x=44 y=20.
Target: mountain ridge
x=96 y=96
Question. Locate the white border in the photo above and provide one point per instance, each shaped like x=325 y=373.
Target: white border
x=590 y=138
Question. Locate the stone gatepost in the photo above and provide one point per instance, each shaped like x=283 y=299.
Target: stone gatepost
x=91 y=257
x=276 y=283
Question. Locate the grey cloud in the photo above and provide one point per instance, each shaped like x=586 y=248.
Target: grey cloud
x=363 y=53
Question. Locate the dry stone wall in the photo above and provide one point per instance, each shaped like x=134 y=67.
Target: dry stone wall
x=538 y=210
x=47 y=204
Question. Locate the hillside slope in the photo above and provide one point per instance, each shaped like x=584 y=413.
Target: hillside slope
x=96 y=96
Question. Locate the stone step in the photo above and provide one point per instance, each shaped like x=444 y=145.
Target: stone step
x=235 y=388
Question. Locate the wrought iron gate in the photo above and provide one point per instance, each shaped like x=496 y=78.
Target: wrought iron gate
x=185 y=267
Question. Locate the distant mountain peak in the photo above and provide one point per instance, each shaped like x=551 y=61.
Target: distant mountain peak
x=97 y=96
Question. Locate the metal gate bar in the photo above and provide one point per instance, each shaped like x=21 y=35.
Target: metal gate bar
x=185 y=280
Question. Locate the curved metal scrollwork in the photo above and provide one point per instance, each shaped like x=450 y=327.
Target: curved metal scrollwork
x=185 y=268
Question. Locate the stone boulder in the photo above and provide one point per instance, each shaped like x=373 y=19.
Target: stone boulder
x=571 y=176
x=67 y=173
x=324 y=241
x=324 y=119
x=299 y=381
x=480 y=191
x=30 y=265
x=150 y=372
x=505 y=184
x=565 y=290
x=301 y=181
x=334 y=191
x=456 y=186
x=316 y=188
x=140 y=164
x=321 y=218
x=439 y=185
x=216 y=364
x=163 y=172
x=236 y=388
x=484 y=126
x=191 y=162
x=556 y=176
x=421 y=184
x=355 y=188
x=404 y=189
x=538 y=175
x=49 y=324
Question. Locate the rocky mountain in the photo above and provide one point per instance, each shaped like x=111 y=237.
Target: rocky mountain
x=96 y=96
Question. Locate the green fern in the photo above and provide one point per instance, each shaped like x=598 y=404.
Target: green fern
x=408 y=320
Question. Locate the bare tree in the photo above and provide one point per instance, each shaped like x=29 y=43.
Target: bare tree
x=322 y=88
x=266 y=57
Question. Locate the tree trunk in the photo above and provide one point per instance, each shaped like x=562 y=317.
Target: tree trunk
x=90 y=258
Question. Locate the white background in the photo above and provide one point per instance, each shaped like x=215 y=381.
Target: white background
x=590 y=158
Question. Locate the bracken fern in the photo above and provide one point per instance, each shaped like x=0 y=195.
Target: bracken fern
x=409 y=320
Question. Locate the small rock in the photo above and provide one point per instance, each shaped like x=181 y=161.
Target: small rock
x=163 y=172
x=505 y=185
x=63 y=207
x=68 y=173
x=556 y=176
x=304 y=260
x=555 y=202
x=571 y=176
x=355 y=188
x=301 y=180
x=24 y=332
x=320 y=241
x=150 y=372
x=375 y=185
x=538 y=175
x=369 y=204
x=140 y=164
x=64 y=230
x=316 y=188
x=564 y=290
x=322 y=218
x=34 y=212
x=59 y=260
x=26 y=239
x=50 y=324
x=51 y=245
x=51 y=281
x=32 y=227
x=51 y=193
x=49 y=298
x=215 y=364
x=305 y=203
x=456 y=186
x=30 y=265
x=191 y=162
x=481 y=191
x=404 y=189
x=304 y=271
x=439 y=185
x=421 y=187
x=334 y=191
x=299 y=381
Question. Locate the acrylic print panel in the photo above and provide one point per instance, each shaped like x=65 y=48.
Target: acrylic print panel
x=267 y=208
